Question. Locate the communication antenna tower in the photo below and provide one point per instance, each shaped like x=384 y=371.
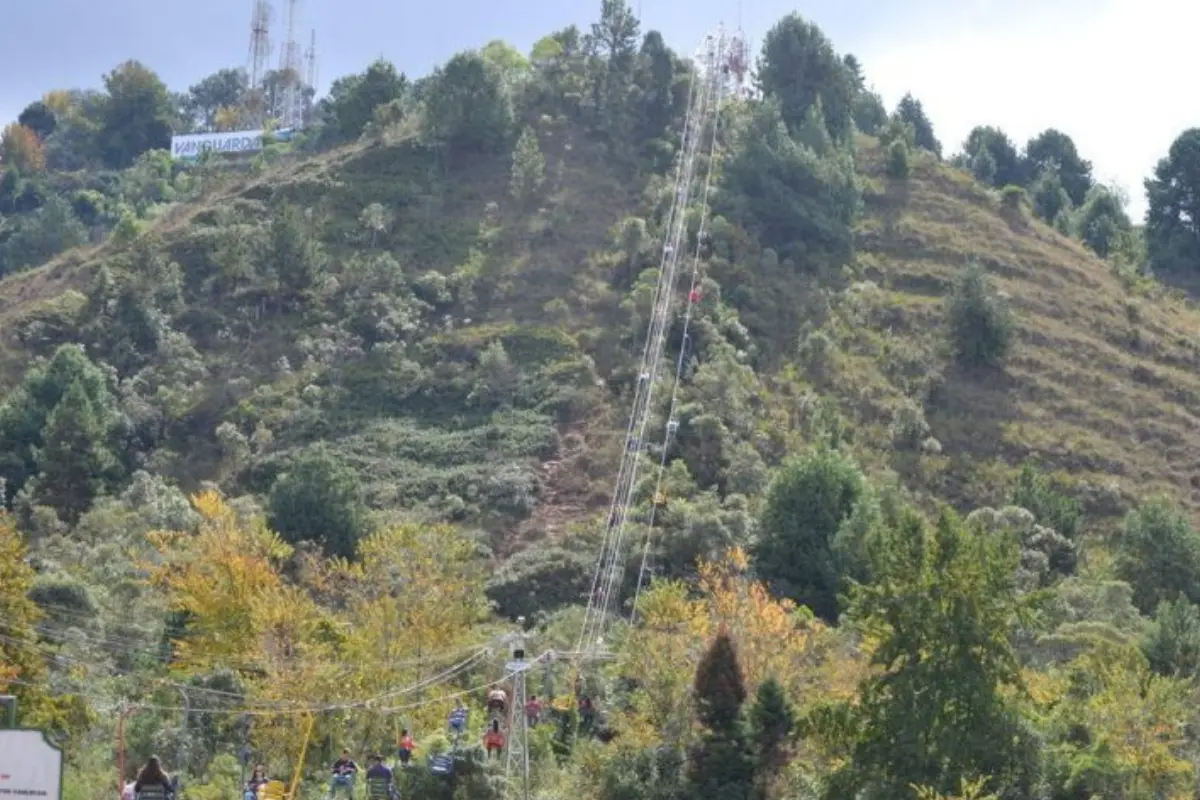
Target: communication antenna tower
x=260 y=53
x=310 y=59
x=289 y=74
x=260 y=41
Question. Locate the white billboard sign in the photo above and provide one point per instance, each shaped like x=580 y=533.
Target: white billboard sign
x=193 y=144
x=30 y=767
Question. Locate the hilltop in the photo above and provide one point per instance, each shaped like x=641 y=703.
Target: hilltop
x=291 y=436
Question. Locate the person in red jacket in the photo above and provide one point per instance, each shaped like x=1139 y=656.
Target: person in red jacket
x=493 y=740
x=405 y=748
x=533 y=710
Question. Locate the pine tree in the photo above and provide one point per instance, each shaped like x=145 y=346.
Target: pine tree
x=528 y=167
x=771 y=722
x=721 y=766
x=76 y=460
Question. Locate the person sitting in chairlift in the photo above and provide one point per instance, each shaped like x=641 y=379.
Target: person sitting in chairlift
x=405 y=748
x=493 y=740
x=497 y=700
x=380 y=785
x=152 y=783
x=533 y=710
x=258 y=779
x=344 y=770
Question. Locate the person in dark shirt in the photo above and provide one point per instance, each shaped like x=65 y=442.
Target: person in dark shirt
x=258 y=779
x=344 y=770
x=379 y=779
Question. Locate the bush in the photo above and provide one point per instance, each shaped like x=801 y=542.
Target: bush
x=539 y=580
x=816 y=356
x=981 y=322
x=908 y=428
x=1159 y=556
x=319 y=500
x=897 y=160
x=1013 y=199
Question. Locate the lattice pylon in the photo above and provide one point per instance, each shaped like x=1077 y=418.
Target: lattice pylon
x=516 y=771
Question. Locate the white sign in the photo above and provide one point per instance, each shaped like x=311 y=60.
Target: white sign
x=30 y=767
x=193 y=144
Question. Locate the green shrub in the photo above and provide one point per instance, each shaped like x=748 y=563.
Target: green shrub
x=1014 y=199
x=981 y=322
x=897 y=160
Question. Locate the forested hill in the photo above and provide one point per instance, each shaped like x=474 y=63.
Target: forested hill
x=293 y=433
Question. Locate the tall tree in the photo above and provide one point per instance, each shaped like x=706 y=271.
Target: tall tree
x=39 y=118
x=721 y=765
x=788 y=193
x=353 y=102
x=1054 y=149
x=1009 y=168
x=467 y=106
x=911 y=111
x=1173 y=218
x=981 y=322
x=854 y=67
x=1102 y=222
x=869 y=113
x=21 y=148
x=528 y=167
x=1049 y=196
x=806 y=503
x=76 y=460
x=656 y=74
x=223 y=89
x=136 y=114
x=771 y=723
x=935 y=710
x=22 y=669
x=1159 y=555
x=27 y=409
x=799 y=67
x=294 y=256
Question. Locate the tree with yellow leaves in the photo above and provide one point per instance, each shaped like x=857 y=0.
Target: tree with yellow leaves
x=20 y=659
x=21 y=148
x=1135 y=722
x=775 y=640
x=412 y=599
x=226 y=118
x=23 y=671
x=242 y=615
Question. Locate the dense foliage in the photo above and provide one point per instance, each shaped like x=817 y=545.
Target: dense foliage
x=290 y=448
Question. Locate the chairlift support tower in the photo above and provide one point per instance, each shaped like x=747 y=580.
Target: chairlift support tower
x=516 y=770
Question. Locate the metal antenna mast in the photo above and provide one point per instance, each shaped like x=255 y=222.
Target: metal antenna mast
x=310 y=58
x=289 y=74
x=260 y=53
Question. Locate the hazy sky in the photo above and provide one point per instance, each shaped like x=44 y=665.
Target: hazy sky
x=1111 y=73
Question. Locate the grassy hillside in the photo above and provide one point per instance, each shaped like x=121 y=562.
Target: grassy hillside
x=1102 y=384
x=1101 y=387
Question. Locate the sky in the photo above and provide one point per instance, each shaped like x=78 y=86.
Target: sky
x=1107 y=72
